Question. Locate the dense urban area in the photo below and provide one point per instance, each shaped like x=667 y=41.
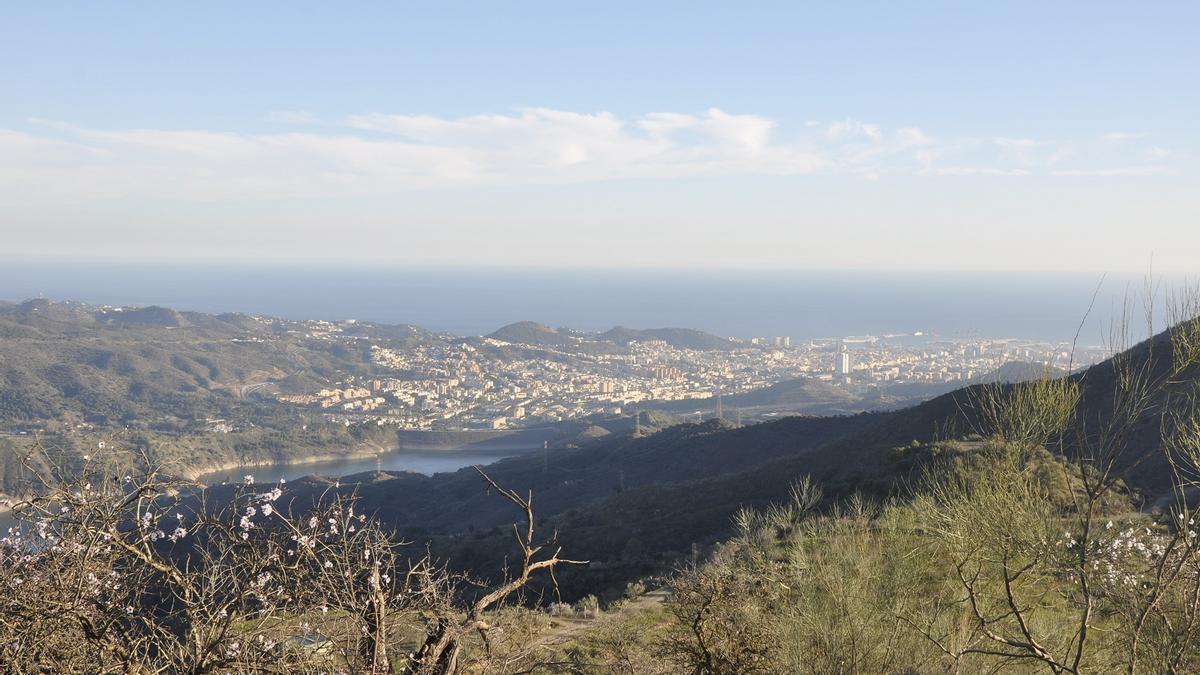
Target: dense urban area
x=75 y=368
x=496 y=383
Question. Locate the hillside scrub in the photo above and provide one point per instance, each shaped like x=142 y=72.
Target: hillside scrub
x=980 y=570
x=138 y=573
x=1021 y=551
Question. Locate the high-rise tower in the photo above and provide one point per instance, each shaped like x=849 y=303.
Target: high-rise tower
x=841 y=362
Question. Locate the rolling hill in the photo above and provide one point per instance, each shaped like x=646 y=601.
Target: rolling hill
x=153 y=366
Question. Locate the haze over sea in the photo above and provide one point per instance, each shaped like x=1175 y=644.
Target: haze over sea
x=476 y=301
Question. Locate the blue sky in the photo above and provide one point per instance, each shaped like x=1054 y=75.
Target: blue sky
x=1005 y=136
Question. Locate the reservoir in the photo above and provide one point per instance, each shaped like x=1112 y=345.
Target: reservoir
x=427 y=462
x=426 y=452
x=421 y=452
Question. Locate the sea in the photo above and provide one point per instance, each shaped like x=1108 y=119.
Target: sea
x=476 y=301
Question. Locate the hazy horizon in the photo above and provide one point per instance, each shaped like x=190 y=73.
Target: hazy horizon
x=466 y=301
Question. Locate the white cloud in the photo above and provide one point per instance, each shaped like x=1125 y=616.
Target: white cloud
x=979 y=171
x=911 y=136
x=1119 y=171
x=749 y=133
x=376 y=153
x=850 y=129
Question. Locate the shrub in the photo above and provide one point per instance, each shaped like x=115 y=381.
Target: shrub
x=587 y=607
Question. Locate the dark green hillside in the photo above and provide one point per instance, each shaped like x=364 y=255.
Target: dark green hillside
x=573 y=477
x=1019 y=371
x=806 y=394
x=1140 y=458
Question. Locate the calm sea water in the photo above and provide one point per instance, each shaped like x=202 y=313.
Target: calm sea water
x=477 y=301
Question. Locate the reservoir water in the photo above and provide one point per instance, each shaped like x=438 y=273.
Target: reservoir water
x=426 y=462
x=418 y=461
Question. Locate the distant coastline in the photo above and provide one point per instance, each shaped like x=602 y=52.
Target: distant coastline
x=803 y=305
